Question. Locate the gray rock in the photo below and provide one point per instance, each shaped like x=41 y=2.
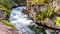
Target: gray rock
x=2 y=14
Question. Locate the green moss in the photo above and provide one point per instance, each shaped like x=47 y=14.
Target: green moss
x=40 y=16
x=8 y=23
x=58 y=21
x=34 y=1
x=7 y=11
x=44 y=1
x=7 y=4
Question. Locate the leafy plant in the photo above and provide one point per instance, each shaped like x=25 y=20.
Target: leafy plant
x=40 y=16
x=49 y=12
x=6 y=6
x=58 y=21
x=7 y=11
x=34 y=1
x=20 y=1
x=7 y=3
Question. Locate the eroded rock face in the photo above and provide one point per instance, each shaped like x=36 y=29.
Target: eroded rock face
x=4 y=29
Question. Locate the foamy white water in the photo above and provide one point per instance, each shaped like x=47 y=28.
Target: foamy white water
x=20 y=20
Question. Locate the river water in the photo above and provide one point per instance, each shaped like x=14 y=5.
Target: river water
x=24 y=24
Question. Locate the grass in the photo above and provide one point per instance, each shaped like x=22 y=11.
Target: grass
x=7 y=23
x=46 y=14
x=49 y=12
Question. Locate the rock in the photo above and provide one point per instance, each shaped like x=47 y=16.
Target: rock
x=43 y=8
x=2 y=14
x=57 y=10
x=50 y=23
x=4 y=29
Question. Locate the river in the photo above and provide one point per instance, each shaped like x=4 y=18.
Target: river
x=24 y=24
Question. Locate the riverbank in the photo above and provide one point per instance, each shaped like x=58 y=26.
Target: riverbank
x=4 y=29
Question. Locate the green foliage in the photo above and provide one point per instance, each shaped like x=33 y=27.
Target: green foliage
x=58 y=21
x=41 y=2
x=7 y=11
x=40 y=16
x=6 y=6
x=8 y=23
x=7 y=3
x=44 y=1
x=34 y=1
x=49 y=12
x=20 y=1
